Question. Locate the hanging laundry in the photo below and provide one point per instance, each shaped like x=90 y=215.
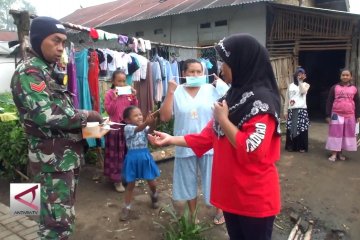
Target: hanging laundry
x=121 y=61
x=132 y=67
x=82 y=69
x=141 y=45
x=123 y=39
x=147 y=45
x=94 y=34
x=101 y=34
x=72 y=82
x=93 y=77
x=143 y=63
x=145 y=92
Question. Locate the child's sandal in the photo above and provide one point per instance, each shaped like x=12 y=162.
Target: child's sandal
x=332 y=158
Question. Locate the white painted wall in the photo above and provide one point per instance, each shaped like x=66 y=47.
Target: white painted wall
x=184 y=29
x=7 y=68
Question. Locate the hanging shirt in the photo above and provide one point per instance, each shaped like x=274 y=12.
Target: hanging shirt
x=121 y=61
x=111 y=61
x=143 y=62
x=168 y=77
x=102 y=59
x=175 y=71
x=94 y=80
x=156 y=76
x=72 y=82
x=82 y=69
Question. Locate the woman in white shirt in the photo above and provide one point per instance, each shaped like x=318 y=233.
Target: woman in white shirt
x=191 y=105
x=296 y=114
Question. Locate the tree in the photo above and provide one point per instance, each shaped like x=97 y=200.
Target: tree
x=6 y=20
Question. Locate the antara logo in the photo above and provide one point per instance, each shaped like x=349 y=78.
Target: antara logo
x=24 y=198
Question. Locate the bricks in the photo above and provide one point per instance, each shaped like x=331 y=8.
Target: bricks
x=5 y=233
x=4 y=209
x=32 y=236
x=16 y=227
x=11 y=219
x=28 y=231
x=28 y=223
x=13 y=237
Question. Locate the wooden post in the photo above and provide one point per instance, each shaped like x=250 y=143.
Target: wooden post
x=22 y=22
x=354 y=57
x=357 y=46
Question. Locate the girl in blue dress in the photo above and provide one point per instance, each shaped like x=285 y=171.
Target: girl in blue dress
x=138 y=164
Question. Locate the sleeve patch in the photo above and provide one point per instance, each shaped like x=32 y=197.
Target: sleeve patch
x=38 y=87
x=31 y=71
x=256 y=138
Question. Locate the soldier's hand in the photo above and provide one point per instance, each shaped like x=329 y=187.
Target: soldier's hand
x=94 y=116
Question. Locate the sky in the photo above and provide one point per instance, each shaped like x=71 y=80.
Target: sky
x=59 y=9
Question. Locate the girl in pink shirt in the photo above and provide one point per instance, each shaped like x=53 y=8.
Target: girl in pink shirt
x=115 y=141
x=343 y=110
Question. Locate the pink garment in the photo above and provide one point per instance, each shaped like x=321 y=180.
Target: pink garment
x=115 y=105
x=344 y=104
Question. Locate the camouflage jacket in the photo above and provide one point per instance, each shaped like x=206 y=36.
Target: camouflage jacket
x=51 y=122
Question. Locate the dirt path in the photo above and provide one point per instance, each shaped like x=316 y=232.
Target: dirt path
x=312 y=187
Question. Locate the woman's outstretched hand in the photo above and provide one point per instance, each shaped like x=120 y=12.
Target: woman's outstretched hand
x=159 y=139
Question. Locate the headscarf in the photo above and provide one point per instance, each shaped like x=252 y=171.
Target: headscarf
x=253 y=89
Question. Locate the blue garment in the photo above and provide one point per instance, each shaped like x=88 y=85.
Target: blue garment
x=185 y=178
x=156 y=76
x=168 y=76
x=175 y=71
x=82 y=69
x=139 y=163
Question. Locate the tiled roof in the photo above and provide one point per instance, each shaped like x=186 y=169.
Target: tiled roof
x=7 y=36
x=122 y=11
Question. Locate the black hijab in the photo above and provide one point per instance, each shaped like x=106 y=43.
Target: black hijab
x=253 y=89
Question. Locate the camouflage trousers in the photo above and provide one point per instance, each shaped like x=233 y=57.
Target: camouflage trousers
x=57 y=214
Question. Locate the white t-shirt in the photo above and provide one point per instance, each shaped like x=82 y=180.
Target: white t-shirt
x=121 y=61
x=296 y=96
x=143 y=61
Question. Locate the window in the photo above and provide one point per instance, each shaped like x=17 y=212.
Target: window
x=139 y=34
x=158 y=31
x=205 y=25
x=220 y=23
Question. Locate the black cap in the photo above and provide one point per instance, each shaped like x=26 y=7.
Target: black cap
x=41 y=28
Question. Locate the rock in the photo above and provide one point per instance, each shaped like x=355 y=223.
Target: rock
x=294 y=217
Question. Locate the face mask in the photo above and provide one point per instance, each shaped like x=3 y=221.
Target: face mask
x=195 y=81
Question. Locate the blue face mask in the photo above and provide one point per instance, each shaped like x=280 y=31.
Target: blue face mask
x=197 y=81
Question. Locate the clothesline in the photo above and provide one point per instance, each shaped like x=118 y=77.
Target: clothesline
x=87 y=29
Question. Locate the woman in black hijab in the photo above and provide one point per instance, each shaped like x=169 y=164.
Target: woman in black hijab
x=246 y=140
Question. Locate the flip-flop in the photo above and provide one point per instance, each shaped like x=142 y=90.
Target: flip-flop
x=219 y=219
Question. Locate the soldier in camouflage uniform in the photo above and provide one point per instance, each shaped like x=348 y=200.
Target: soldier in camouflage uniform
x=53 y=127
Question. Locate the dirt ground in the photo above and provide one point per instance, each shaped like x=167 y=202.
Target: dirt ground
x=312 y=187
